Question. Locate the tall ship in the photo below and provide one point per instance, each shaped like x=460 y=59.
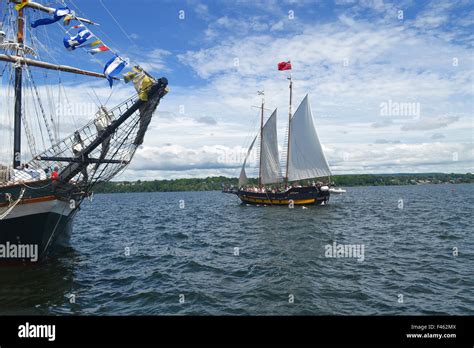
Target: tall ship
x=45 y=182
x=307 y=176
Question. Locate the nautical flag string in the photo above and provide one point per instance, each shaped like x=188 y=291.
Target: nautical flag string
x=82 y=36
x=101 y=48
x=58 y=14
x=113 y=68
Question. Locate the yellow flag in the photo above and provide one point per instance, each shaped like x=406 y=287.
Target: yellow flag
x=18 y=7
x=142 y=86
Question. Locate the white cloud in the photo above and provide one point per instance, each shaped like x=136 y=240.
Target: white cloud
x=388 y=59
x=216 y=160
x=393 y=61
x=430 y=123
x=202 y=10
x=154 y=61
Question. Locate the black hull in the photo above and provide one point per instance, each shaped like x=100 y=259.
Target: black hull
x=41 y=221
x=308 y=195
x=47 y=231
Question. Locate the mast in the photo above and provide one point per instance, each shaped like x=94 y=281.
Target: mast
x=18 y=94
x=261 y=141
x=19 y=60
x=289 y=130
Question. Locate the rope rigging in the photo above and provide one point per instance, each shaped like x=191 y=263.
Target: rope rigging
x=110 y=148
x=11 y=206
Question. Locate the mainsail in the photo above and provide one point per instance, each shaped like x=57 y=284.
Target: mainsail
x=270 y=172
x=306 y=157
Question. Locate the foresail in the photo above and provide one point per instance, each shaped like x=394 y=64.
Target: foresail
x=306 y=156
x=270 y=163
x=243 y=174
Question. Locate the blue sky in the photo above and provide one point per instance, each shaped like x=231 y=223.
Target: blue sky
x=352 y=57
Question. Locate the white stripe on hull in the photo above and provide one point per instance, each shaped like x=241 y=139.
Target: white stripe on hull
x=54 y=206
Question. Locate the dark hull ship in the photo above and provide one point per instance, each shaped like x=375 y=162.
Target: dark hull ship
x=37 y=209
x=307 y=195
x=305 y=161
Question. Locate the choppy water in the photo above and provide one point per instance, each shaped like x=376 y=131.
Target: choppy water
x=191 y=251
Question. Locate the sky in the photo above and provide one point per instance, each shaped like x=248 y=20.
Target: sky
x=390 y=83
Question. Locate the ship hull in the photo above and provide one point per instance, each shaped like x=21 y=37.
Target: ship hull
x=40 y=222
x=298 y=196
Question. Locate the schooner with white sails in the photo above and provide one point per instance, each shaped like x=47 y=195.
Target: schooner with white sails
x=305 y=163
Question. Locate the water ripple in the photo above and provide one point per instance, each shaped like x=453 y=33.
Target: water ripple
x=141 y=254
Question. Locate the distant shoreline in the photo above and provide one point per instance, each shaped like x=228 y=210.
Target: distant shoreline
x=215 y=183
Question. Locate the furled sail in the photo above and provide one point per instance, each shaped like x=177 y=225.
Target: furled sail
x=243 y=175
x=306 y=157
x=270 y=163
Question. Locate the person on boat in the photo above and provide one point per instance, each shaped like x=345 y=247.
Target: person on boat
x=54 y=174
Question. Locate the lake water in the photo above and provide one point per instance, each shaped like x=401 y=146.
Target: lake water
x=203 y=253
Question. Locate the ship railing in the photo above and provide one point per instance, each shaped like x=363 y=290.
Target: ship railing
x=10 y=176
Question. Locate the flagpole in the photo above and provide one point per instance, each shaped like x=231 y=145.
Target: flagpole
x=289 y=130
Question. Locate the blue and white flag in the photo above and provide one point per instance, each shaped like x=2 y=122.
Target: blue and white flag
x=73 y=42
x=58 y=14
x=113 y=68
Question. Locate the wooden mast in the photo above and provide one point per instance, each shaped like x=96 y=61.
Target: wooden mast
x=289 y=130
x=19 y=60
x=261 y=142
x=18 y=93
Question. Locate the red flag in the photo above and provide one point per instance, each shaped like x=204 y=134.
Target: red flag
x=284 y=65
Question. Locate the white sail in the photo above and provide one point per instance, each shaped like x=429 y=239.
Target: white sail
x=270 y=163
x=306 y=157
x=243 y=174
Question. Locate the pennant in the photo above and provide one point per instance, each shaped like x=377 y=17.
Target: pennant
x=94 y=43
x=19 y=6
x=58 y=14
x=284 y=65
x=101 y=48
x=113 y=68
x=78 y=40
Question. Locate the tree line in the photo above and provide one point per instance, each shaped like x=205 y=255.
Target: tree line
x=215 y=183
